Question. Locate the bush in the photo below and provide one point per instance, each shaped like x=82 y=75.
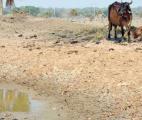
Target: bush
x=73 y=12
x=31 y=10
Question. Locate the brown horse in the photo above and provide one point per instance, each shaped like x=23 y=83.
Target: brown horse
x=137 y=32
x=120 y=14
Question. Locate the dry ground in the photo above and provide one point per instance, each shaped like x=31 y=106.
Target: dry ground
x=88 y=81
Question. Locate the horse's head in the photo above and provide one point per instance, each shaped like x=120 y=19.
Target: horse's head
x=125 y=8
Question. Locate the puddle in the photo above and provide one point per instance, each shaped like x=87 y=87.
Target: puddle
x=19 y=102
x=14 y=101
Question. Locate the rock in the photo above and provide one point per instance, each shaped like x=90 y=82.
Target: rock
x=24 y=83
x=2 y=46
x=95 y=50
x=12 y=18
x=63 y=36
x=57 y=41
x=2 y=118
x=53 y=33
x=74 y=42
x=33 y=36
x=30 y=49
x=38 y=48
x=98 y=42
x=64 y=92
x=40 y=53
x=20 y=35
x=72 y=51
x=138 y=49
x=111 y=49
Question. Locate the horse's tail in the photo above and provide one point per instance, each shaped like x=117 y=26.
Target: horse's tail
x=109 y=9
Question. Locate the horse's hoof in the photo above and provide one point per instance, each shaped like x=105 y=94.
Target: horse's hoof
x=119 y=41
x=108 y=38
x=129 y=41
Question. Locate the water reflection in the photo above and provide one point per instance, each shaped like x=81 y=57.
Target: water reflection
x=14 y=101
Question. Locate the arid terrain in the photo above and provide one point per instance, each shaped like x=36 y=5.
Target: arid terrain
x=61 y=62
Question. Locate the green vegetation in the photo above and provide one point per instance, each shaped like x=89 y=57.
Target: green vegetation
x=97 y=33
x=73 y=12
x=90 y=12
x=34 y=11
x=61 y=12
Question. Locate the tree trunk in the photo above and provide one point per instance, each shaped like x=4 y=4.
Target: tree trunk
x=10 y=4
x=1 y=7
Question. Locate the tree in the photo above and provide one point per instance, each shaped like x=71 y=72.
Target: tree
x=10 y=4
x=73 y=12
x=31 y=10
x=1 y=7
x=48 y=13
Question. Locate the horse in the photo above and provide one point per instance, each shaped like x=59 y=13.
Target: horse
x=120 y=14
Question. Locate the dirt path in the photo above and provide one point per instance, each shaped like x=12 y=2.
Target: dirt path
x=85 y=81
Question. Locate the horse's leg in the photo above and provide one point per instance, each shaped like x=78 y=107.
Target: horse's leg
x=123 y=32
x=110 y=28
x=115 y=27
x=129 y=33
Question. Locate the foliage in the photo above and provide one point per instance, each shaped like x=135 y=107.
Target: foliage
x=87 y=12
x=90 y=12
x=31 y=10
x=73 y=12
x=46 y=13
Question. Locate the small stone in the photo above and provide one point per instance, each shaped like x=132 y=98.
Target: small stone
x=2 y=46
x=33 y=36
x=30 y=49
x=137 y=49
x=111 y=49
x=98 y=42
x=53 y=33
x=24 y=82
x=38 y=48
x=72 y=51
x=94 y=50
x=2 y=118
x=74 y=42
x=20 y=35
x=12 y=18
x=41 y=53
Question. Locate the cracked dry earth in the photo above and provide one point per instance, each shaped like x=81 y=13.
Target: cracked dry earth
x=84 y=81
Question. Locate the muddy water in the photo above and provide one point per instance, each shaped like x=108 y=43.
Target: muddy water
x=14 y=101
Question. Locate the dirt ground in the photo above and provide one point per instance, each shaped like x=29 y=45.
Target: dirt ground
x=56 y=59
